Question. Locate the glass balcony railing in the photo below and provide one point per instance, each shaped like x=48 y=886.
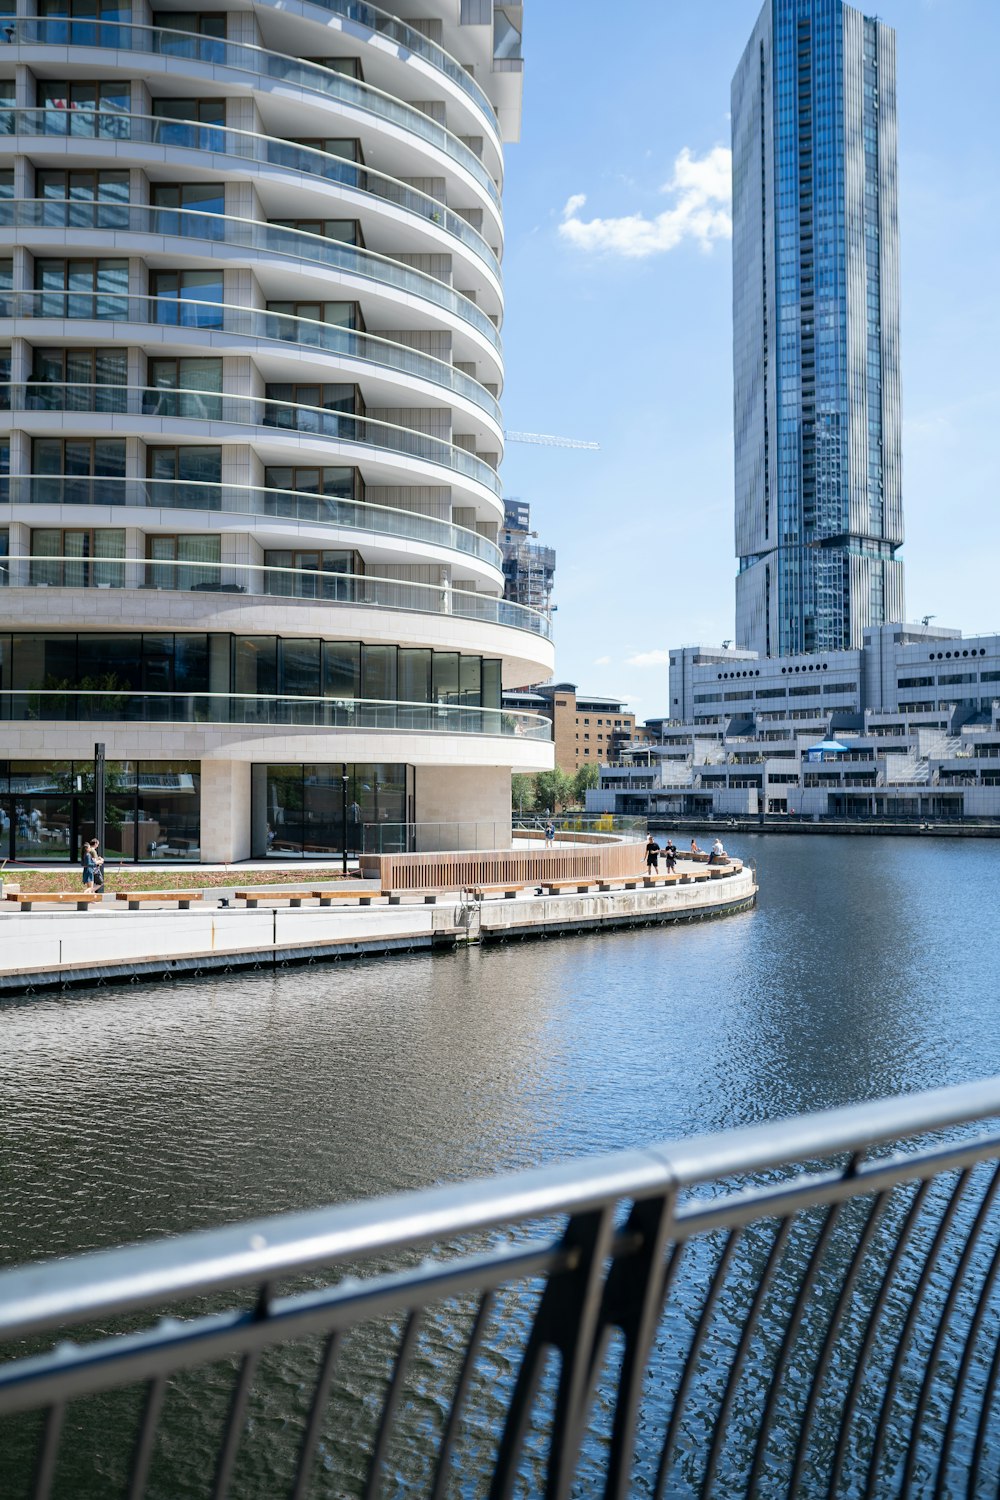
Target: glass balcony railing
x=250 y=411
x=248 y=322
x=240 y=56
x=185 y=494
x=266 y=150
x=251 y=708
x=322 y=586
x=295 y=245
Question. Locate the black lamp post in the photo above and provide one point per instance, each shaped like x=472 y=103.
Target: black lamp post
x=99 y=794
x=343 y=812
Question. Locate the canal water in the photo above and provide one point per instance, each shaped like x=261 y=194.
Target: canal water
x=868 y=968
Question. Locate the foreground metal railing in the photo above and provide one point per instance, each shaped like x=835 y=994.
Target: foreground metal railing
x=802 y=1308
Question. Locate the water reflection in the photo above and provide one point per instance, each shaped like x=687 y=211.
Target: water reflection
x=159 y=1108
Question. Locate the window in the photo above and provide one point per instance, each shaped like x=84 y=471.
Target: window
x=190 y=122
x=82 y=288
x=78 y=380
x=187 y=476
x=204 y=36
x=346 y=231
x=350 y=67
x=86 y=107
x=187 y=298
x=77 y=558
x=188 y=563
x=82 y=198
x=184 y=388
x=312 y=573
x=78 y=471
x=302 y=407
x=336 y=314
x=182 y=205
x=78 y=21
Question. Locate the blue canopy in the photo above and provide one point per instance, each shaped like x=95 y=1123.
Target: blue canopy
x=828 y=747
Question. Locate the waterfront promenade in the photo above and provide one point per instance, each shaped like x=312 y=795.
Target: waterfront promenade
x=52 y=946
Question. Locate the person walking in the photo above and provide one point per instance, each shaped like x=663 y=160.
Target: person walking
x=95 y=849
x=550 y=832
x=88 y=867
x=670 y=856
x=652 y=856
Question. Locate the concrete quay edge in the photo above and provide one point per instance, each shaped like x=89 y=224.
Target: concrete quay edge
x=212 y=941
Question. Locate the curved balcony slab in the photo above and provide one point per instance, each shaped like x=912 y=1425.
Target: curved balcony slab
x=187 y=54
x=283 y=508
x=106 y=227
x=230 y=152
x=526 y=655
x=223 y=326
x=150 y=407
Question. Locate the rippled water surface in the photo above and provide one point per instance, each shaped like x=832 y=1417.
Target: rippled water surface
x=869 y=967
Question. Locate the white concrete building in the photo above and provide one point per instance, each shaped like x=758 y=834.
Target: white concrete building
x=251 y=305
x=908 y=726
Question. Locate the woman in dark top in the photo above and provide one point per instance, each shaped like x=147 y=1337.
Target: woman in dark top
x=88 y=868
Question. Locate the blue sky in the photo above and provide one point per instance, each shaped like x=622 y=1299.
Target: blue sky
x=620 y=332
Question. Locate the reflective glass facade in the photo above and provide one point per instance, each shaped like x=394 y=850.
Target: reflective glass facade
x=816 y=329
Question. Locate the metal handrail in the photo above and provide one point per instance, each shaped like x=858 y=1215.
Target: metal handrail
x=252 y=500
x=301 y=711
x=268 y=580
x=244 y=234
x=159 y=41
x=117 y=126
x=817 y=1315
x=250 y=322
x=245 y=411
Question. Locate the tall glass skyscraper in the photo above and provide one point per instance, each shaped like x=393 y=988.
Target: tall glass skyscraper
x=819 y=514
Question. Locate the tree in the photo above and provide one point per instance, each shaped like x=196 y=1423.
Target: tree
x=553 y=789
x=522 y=793
x=585 y=779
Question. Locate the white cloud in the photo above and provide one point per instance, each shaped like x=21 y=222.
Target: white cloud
x=649 y=659
x=602 y=661
x=701 y=211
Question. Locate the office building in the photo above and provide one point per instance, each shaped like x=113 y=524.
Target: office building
x=251 y=303
x=908 y=725
x=587 y=728
x=819 y=514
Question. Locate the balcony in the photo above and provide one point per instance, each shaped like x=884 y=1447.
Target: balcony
x=308 y=584
x=117 y=126
x=341 y=514
x=248 y=411
x=242 y=235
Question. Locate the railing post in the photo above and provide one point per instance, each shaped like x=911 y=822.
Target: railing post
x=567 y=1320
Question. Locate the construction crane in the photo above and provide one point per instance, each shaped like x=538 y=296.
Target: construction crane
x=546 y=440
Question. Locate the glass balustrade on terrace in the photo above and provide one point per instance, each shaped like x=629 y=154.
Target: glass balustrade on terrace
x=243 y=57
x=294 y=505
x=249 y=322
x=251 y=708
x=254 y=411
x=243 y=234
x=120 y=125
x=264 y=580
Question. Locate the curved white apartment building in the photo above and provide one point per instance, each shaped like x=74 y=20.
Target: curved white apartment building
x=251 y=295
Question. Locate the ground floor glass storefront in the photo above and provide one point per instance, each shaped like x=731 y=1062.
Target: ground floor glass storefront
x=299 y=811
x=152 y=810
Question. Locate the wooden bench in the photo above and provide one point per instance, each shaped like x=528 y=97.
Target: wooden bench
x=479 y=892
x=136 y=898
x=581 y=887
x=395 y=895
x=363 y=897
x=27 y=899
x=253 y=897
